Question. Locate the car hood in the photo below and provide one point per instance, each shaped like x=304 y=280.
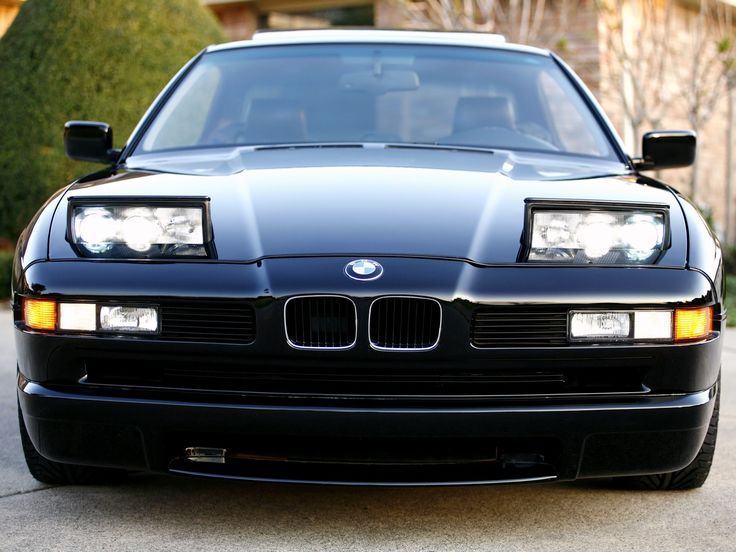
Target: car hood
x=372 y=211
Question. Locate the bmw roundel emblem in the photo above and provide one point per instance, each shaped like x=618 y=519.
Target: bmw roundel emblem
x=363 y=270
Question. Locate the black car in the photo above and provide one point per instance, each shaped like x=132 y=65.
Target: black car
x=374 y=258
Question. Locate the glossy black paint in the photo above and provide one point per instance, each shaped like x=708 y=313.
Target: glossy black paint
x=135 y=433
x=89 y=141
x=444 y=224
x=668 y=149
x=265 y=213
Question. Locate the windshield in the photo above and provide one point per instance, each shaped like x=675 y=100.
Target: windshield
x=361 y=93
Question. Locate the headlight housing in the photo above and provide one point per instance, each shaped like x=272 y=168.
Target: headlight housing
x=119 y=228
x=596 y=234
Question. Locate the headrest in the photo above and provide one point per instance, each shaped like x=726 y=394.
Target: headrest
x=483 y=111
x=272 y=121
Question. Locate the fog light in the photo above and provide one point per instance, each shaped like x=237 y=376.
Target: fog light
x=693 y=323
x=600 y=325
x=653 y=325
x=39 y=314
x=81 y=317
x=129 y=319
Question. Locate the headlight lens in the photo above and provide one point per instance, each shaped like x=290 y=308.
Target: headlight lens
x=125 y=231
x=128 y=319
x=597 y=236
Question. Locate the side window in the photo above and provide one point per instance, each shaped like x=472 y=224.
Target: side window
x=565 y=116
x=183 y=119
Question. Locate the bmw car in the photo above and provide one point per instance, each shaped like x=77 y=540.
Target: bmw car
x=371 y=258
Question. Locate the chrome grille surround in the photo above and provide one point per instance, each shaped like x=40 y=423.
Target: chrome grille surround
x=379 y=342
x=307 y=330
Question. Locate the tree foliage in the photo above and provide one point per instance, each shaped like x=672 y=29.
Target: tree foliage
x=538 y=22
x=668 y=64
x=82 y=59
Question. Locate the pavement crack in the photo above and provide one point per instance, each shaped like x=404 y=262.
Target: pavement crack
x=29 y=491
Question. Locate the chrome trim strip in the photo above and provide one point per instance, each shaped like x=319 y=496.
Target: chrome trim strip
x=303 y=348
x=366 y=483
x=653 y=402
x=403 y=349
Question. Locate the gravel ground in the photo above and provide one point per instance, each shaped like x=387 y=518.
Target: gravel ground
x=151 y=513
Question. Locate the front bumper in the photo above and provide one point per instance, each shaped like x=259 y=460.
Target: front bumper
x=655 y=423
x=646 y=435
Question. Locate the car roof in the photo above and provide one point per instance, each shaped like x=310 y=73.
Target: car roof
x=338 y=36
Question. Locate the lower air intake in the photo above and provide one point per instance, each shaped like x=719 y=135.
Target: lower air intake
x=519 y=326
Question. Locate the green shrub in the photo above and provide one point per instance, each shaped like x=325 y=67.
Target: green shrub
x=102 y=60
x=6 y=268
x=729 y=258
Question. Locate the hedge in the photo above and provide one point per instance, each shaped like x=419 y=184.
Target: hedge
x=102 y=60
x=6 y=268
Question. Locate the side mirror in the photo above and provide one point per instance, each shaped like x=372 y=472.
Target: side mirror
x=89 y=141
x=667 y=149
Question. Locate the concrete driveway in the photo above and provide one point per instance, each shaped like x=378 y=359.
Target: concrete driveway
x=165 y=513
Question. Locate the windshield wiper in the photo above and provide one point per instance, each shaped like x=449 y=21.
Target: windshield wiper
x=369 y=145
x=420 y=145
x=305 y=145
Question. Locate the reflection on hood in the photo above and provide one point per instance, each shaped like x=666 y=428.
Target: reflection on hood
x=514 y=165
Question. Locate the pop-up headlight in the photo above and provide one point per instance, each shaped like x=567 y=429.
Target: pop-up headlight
x=597 y=236
x=121 y=230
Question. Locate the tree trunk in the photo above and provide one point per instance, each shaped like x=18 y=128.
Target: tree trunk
x=730 y=168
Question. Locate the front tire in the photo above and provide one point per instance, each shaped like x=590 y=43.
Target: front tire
x=693 y=475
x=56 y=473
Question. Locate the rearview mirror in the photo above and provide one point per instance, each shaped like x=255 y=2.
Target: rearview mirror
x=369 y=82
x=89 y=141
x=667 y=149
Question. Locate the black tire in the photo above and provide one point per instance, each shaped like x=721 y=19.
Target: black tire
x=693 y=475
x=56 y=473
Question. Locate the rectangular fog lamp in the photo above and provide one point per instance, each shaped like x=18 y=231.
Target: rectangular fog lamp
x=600 y=325
x=653 y=325
x=128 y=319
x=81 y=317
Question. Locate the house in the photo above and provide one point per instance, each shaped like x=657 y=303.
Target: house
x=8 y=10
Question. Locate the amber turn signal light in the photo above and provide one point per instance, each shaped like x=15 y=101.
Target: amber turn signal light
x=693 y=323
x=39 y=314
